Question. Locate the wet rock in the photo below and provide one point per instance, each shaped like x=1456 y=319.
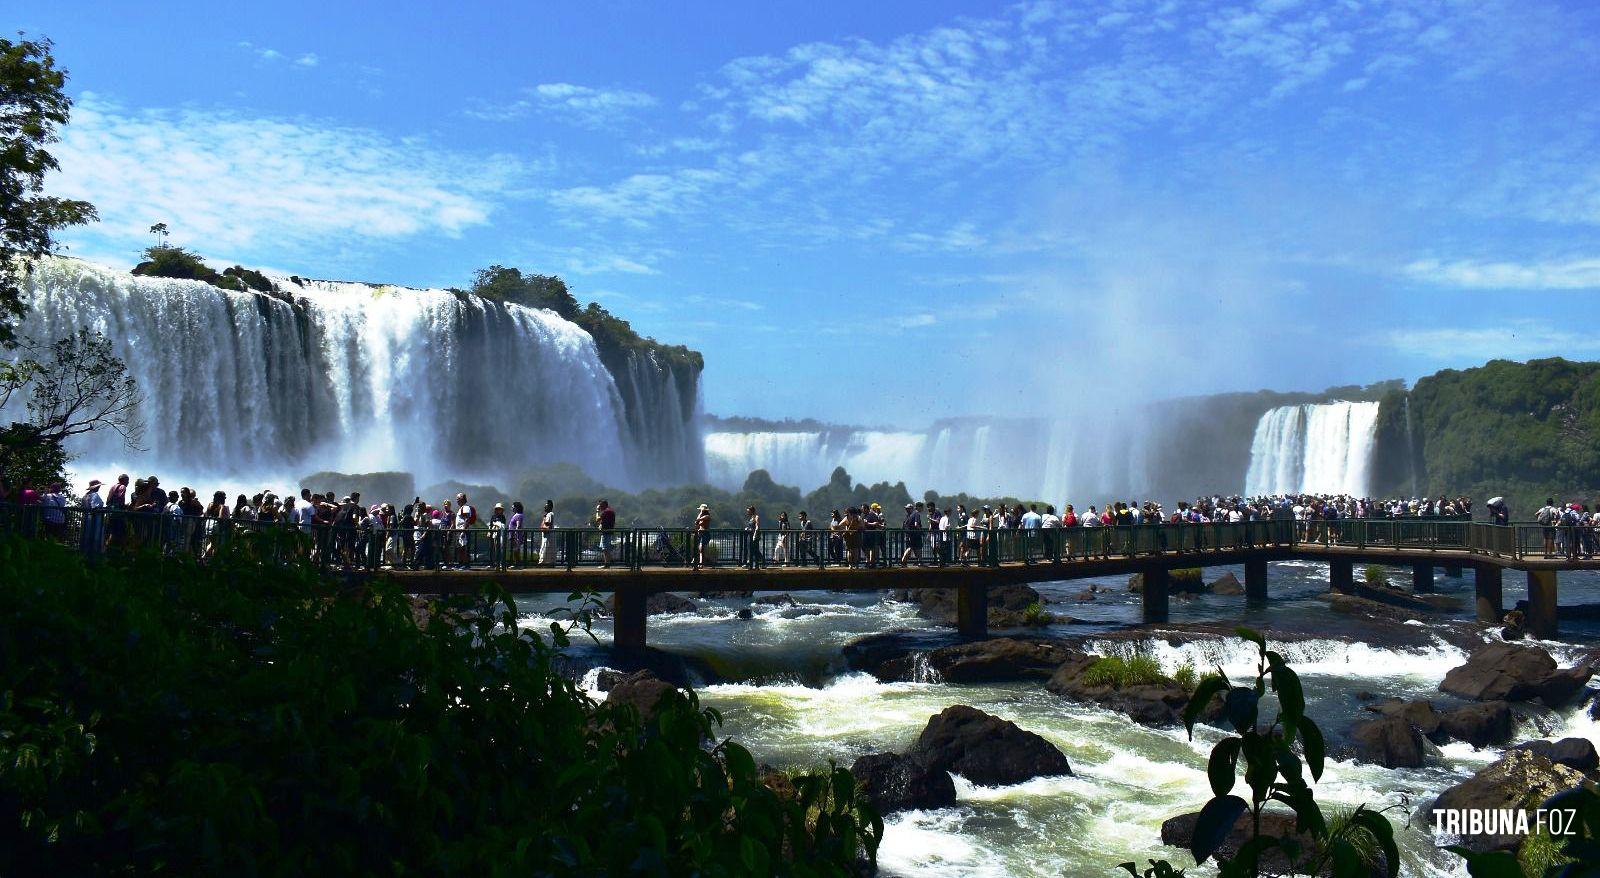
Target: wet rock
x=1509 y=672
x=890 y=657
x=659 y=604
x=986 y=749
x=1575 y=753
x=1152 y=704
x=607 y=679
x=642 y=690
x=998 y=659
x=1084 y=596
x=797 y=612
x=777 y=600
x=1478 y=724
x=1420 y=714
x=1179 y=832
x=1008 y=604
x=892 y=782
x=1227 y=584
x=719 y=595
x=1513 y=625
x=1389 y=741
x=1521 y=779
x=745 y=613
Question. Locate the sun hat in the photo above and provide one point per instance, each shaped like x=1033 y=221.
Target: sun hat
x=94 y=483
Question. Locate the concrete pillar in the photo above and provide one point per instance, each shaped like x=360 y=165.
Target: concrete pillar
x=1421 y=578
x=1453 y=571
x=1541 y=617
x=1341 y=576
x=1156 y=583
x=1487 y=578
x=1255 y=581
x=629 y=619
x=972 y=609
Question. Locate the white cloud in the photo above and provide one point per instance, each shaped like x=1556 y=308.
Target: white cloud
x=1518 y=340
x=580 y=104
x=309 y=59
x=1572 y=274
x=223 y=180
x=268 y=55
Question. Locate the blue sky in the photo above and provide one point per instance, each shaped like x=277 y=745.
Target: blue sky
x=890 y=212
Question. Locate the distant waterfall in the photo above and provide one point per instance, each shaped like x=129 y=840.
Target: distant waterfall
x=358 y=378
x=807 y=458
x=1313 y=448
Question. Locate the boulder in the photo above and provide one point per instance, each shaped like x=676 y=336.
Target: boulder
x=1227 y=584
x=659 y=603
x=1154 y=704
x=892 y=782
x=1008 y=604
x=986 y=749
x=1478 y=724
x=1576 y=753
x=1420 y=714
x=998 y=659
x=1521 y=779
x=745 y=613
x=777 y=600
x=717 y=595
x=1509 y=672
x=1179 y=833
x=1389 y=741
x=642 y=690
x=797 y=612
x=891 y=657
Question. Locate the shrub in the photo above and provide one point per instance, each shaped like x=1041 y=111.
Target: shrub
x=176 y=262
x=1377 y=577
x=247 y=718
x=1119 y=672
x=1187 y=577
x=1184 y=676
x=1036 y=614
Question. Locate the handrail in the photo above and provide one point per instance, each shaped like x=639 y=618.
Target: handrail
x=483 y=547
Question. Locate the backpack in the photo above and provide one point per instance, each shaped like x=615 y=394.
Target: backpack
x=472 y=515
x=1547 y=515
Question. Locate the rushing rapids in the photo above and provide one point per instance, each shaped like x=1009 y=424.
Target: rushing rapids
x=360 y=378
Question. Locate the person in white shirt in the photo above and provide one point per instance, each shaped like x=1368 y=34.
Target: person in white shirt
x=547 y=525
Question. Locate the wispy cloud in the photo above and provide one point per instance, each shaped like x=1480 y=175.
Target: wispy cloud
x=234 y=181
x=580 y=104
x=1518 y=340
x=1571 y=274
x=270 y=55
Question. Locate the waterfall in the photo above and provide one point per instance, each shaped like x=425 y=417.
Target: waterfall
x=357 y=378
x=1313 y=448
x=807 y=458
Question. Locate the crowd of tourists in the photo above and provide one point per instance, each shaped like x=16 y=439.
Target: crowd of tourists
x=343 y=529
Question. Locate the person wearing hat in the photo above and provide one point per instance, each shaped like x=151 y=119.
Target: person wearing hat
x=497 y=535
x=702 y=534
x=93 y=537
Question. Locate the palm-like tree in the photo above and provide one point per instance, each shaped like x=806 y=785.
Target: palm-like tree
x=160 y=231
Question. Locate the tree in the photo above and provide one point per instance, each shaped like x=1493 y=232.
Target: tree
x=160 y=231
x=81 y=388
x=32 y=106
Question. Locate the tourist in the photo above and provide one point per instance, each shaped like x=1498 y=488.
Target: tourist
x=782 y=554
x=836 y=538
x=547 y=526
x=1547 y=516
x=852 y=526
x=53 y=512
x=913 y=529
x=606 y=521
x=92 y=539
x=514 y=527
x=805 y=541
x=872 y=532
x=702 y=535
x=752 y=527
x=497 y=536
x=466 y=518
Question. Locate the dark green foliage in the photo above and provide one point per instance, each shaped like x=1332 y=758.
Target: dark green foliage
x=1376 y=576
x=176 y=262
x=33 y=104
x=1119 y=672
x=1526 y=431
x=1275 y=757
x=250 y=719
x=251 y=279
x=614 y=338
x=396 y=488
x=28 y=459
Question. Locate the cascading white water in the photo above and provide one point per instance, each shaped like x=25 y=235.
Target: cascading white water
x=1313 y=448
x=807 y=458
x=348 y=377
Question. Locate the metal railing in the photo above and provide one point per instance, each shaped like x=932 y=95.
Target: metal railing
x=369 y=547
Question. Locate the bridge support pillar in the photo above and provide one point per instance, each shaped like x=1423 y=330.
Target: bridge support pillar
x=1421 y=578
x=1255 y=581
x=1341 y=576
x=1157 y=581
x=972 y=609
x=629 y=618
x=1453 y=571
x=1486 y=578
x=1541 y=616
